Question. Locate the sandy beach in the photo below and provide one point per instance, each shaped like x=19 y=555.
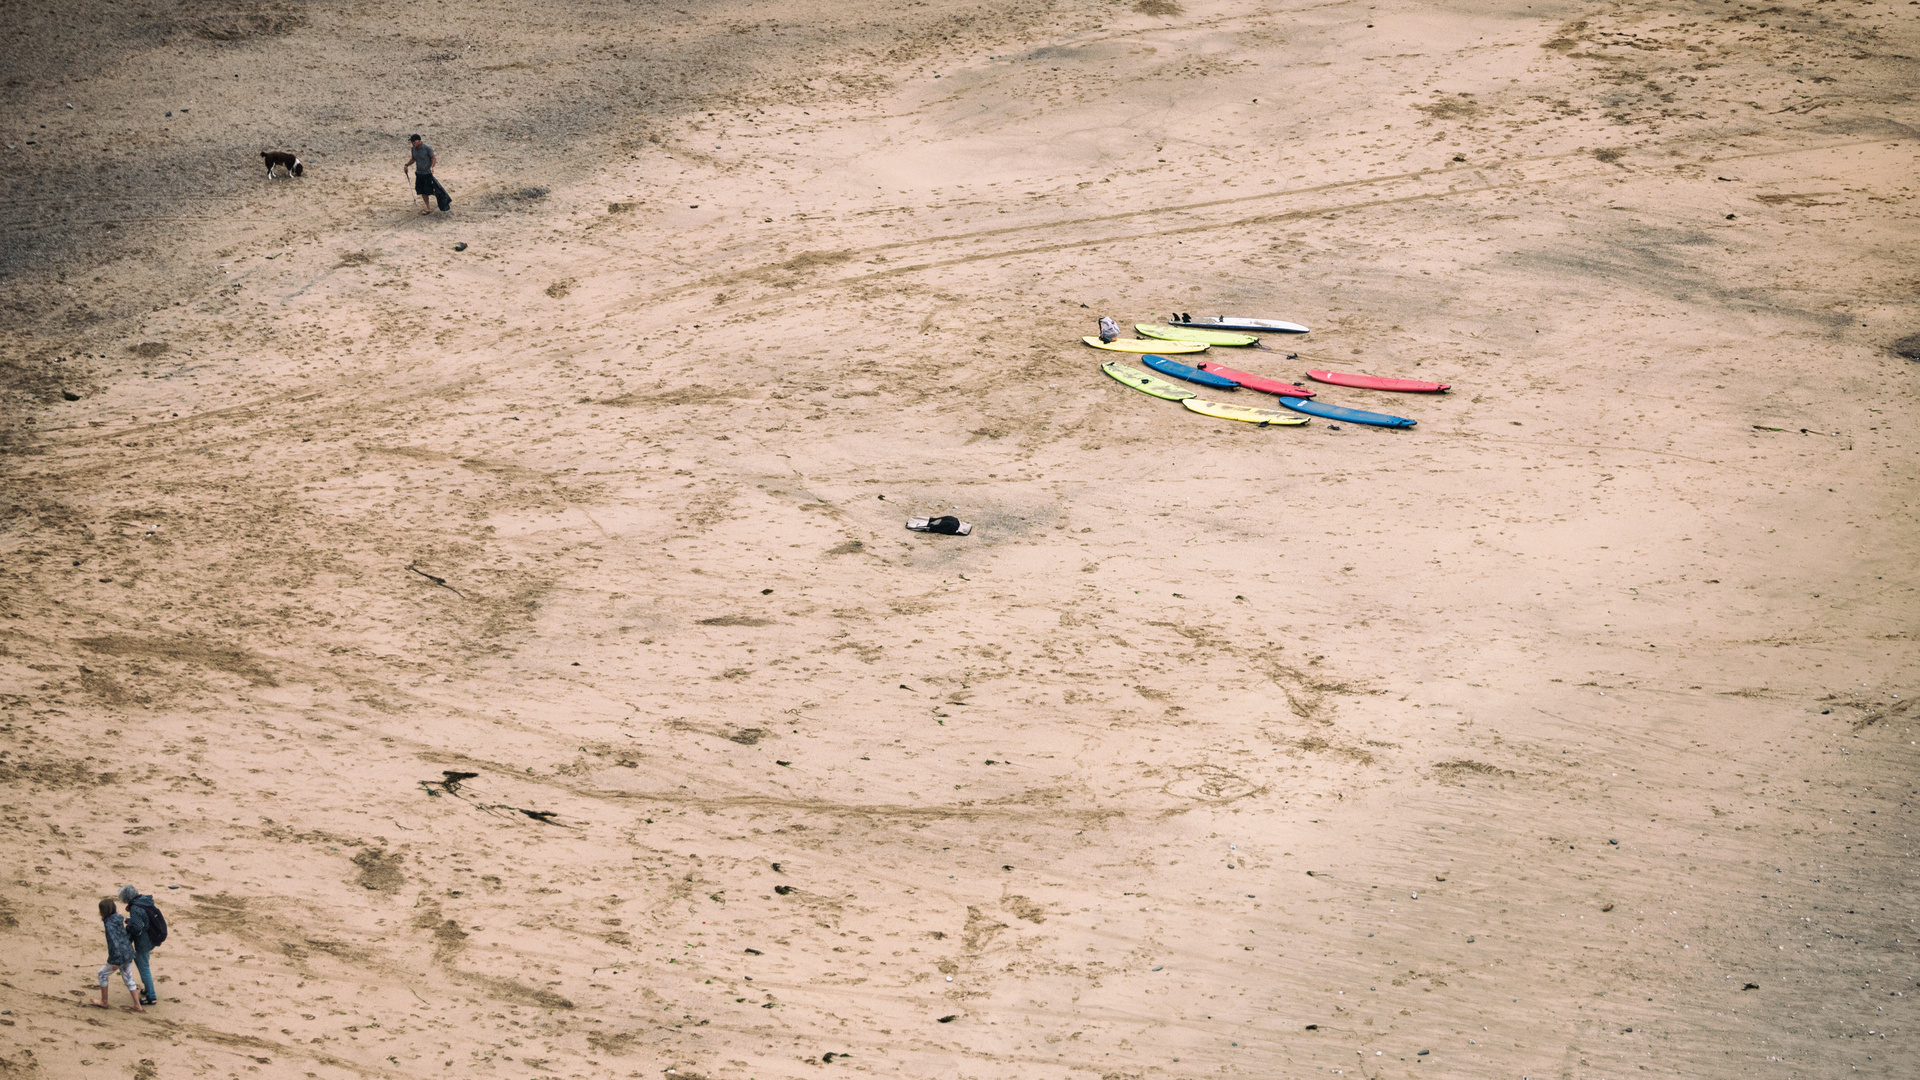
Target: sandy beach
x=493 y=639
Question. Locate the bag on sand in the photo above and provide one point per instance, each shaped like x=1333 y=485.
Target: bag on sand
x=948 y=525
x=440 y=195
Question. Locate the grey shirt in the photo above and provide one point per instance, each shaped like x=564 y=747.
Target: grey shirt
x=423 y=159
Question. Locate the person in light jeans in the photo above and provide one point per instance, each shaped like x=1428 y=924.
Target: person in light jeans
x=138 y=904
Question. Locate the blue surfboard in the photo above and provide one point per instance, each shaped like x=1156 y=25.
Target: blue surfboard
x=1182 y=371
x=1338 y=412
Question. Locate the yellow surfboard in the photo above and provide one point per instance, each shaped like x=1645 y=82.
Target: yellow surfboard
x=1247 y=413
x=1134 y=345
x=1181 y=333
x=1145 y=383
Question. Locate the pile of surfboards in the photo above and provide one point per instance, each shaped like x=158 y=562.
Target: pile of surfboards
x=1157 y=342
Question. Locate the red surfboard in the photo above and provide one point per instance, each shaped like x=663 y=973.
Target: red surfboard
x=1375 y=382
x=1254 y=382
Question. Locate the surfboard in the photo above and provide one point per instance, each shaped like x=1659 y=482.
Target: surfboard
x=1377 y=382
x=1247 y=413
x=1340 y=412
x=1135 y=345
x=1145 y=383
x=1181 y=371
x=1255 y=382
x=1183 y=333
x=1242 y=322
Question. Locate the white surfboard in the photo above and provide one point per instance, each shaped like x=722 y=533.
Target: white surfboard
x=1242 y=323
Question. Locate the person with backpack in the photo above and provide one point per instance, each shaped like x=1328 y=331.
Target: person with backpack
x=146 y=928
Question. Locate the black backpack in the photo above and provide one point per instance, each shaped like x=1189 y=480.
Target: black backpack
x=156 y=925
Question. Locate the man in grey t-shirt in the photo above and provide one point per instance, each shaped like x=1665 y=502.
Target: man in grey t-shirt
x=425 y=185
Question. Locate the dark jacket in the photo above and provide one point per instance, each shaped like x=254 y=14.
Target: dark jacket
x=119 y=948
x=137 y=921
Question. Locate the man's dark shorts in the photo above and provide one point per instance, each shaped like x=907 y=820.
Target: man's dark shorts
x=426 y=184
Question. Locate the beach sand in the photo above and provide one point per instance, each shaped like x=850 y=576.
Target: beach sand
x=509 y=661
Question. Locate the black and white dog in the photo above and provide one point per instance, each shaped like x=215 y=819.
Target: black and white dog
x=280 y=159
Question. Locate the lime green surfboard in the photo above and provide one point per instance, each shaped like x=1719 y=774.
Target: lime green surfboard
x=1181 y=333
x=1135 y=345
x=1247 y=413
x=1145 y=383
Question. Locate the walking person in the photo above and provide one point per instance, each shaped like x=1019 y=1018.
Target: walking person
x=119 y=955
x=421 y=160
x=144 y=930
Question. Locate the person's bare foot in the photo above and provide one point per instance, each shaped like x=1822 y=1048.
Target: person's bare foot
x=426 y=213
x=99 y=1005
